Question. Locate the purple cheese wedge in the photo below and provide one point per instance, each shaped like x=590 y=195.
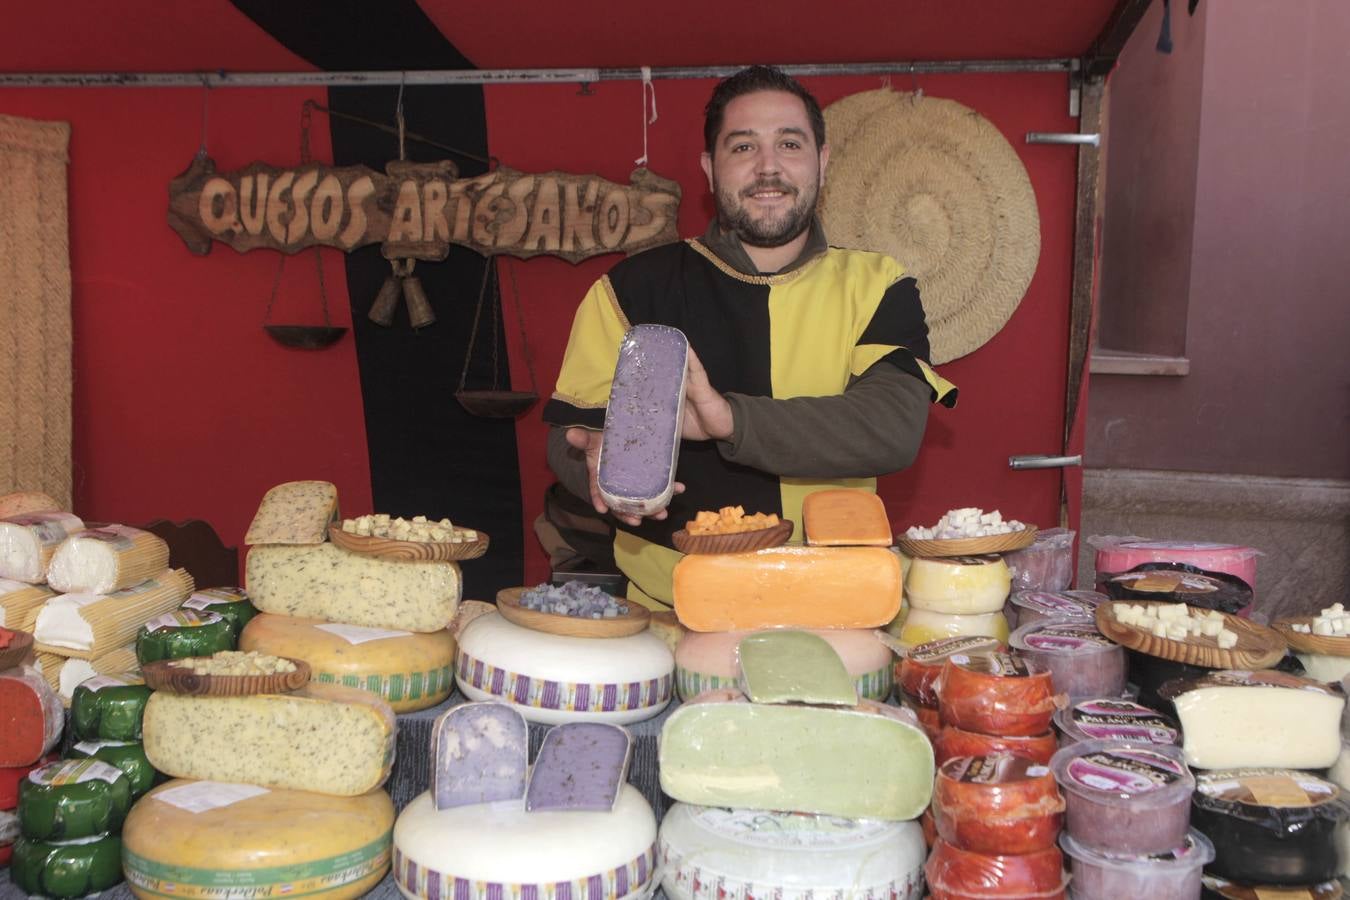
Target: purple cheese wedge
x=642 y=421
x=479 y=754
x=581 y=766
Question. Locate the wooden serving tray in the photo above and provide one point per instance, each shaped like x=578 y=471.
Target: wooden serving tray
x=19 y=644
x=739 y=542
x=1328 y=645
x=508 y=604
x=980 y=546
x=1258 y=647
x=162 y=675
x=408 y=551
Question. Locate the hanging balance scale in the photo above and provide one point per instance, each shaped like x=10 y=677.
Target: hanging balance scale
x=303 y=337
x=495 y=403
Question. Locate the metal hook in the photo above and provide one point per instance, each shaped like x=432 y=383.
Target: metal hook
x=398 y=116
x=585 y=90
x=206 y=108
x=917 y=95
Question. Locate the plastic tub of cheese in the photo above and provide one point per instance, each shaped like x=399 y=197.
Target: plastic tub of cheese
x=1125 y=797
x=1173 y=875
x=997 y=804
x=1033 y=606
x=1047 y=565
x=955 y=874
x=1115 y=719
x=1082 y=661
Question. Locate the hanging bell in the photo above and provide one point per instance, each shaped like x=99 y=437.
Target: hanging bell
x=382 y=310
x=419 y=307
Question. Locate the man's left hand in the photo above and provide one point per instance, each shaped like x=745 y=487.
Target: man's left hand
x=707 y=414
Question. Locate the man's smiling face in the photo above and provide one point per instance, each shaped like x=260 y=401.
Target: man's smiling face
x=765 y=171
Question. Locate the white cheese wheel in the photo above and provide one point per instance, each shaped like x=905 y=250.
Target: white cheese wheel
x=552 y=678
x=227 y=841
x=705 y=661
x=494 y=850
x=750 y=853
x=410 y=671
x=1320 y=667
x=958 y=585
x=922 y=625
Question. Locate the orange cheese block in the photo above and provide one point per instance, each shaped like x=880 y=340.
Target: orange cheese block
x=788 y=587
x=843 y=517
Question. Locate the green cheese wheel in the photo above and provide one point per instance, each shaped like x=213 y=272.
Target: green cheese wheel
x=183 y=633
x=74 y=798
x=230 y=603
x=128 y=756
x=66 y=869
x=109 y=708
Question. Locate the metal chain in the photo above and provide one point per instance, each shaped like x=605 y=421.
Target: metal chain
x=306 y=121
x=520 y=320
x=473 y=332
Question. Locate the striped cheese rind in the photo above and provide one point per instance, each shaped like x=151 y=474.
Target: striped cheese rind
x=296 y=512
x=65 y=673
x=90 y=625
x=107 y=559
x=20 y=602
x=323 y=737
x=410 y=671
x=28 y=543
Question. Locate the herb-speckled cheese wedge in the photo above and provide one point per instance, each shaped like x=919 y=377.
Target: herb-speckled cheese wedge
x=296 y=512
x=265 y=843
x=323 y=737
x=329 y=583
x=410 y=671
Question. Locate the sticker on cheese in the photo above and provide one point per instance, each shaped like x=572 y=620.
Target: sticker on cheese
x=554 y=678
x=75 y=798
x=923 y=625
x=1239 y=719
x=641 y=447
x=844 y=517
x=183 y=633
x=17 y=503
x=997 y=693
x=706 y=661
x=918 y=671
x=952 y=742
x=1181 y=583
x=270 y=844
x=500 y=850
x=129 y=756
x=19 y=603
x=107 y=559
x=323 y=737
x=329 y=583
x=479 y=754
x=953 y=872
x=296 y=512
x=752 y=853
x=89 y=625
x=1083 y=663
x=793 y=667
x=231 y=603
x=997 y=804
x=872 y=761
x=788 y=587
x=1033 y=606
x=28 y=542
x=1115 y=719
x=1174 y=875
x=958 y=585
x=410 y=671
x=66 y=869
x=1125 y=798
x=581 y=766
x=31 y=717
x=1269 y=826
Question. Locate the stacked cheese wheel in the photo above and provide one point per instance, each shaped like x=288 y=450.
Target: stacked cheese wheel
x=955 y=596
x=30 y=726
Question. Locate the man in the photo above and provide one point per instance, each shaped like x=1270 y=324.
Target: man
x=808 y=364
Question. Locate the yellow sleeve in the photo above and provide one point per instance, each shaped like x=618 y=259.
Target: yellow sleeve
x=589 y=360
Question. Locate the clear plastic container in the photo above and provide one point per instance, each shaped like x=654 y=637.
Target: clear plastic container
x=1114 y=719
x=1047 y=565
x=955 y=874
x=997 y=804
x=1172 y=875
x=1032 y=606
x=1083 y=662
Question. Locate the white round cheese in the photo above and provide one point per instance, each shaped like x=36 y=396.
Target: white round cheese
x=552 y=678
x=706 y=661
x=787 y=856
x=923 y=625
x=1320 y=667
x=495 y=850
x=958 y=585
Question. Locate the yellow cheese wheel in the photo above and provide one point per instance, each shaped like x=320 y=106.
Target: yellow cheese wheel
x=958 y=585
x=411 y=671
x=921 y=626
x=269 y=844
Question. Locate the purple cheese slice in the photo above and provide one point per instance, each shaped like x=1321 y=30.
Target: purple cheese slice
x=643 y=419
x=581 y=766
x=479 y=754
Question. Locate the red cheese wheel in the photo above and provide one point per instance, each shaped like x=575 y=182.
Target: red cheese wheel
x=929 y=827
x=997 y=804
x=953 y=742
x=955 y=874
x=918 y=672
x=10 y=776
x=928 y=717
x=997 y=693
x=6 y=851
x=30 y=717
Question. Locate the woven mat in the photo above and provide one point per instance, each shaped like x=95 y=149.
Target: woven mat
x=35 y=332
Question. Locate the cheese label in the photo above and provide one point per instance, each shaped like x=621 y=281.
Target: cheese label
x=205 y=599
x=1125 y=771
x=1067 y=638
x=629 y=880
x=757 y=828
x=397 y=686
x=1053 y=603
x=49 y=528
x=359 y=634
x=181 y=618
x=99 y=682
x=1000 y=665
x=201 y=796
x=92 y=747
x=1267 y=787
x=1122 y=720
x=1163 y=581
x=526 y=690
x=972 y=560
x=934 y=651
x=1001 y=768
x=119 y=537
x=75 y=771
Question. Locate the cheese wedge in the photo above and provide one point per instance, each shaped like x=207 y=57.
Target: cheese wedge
x=329 y=583
x=324 y=738
x=791 y=587
x=297 y=512
x=843 y=517
x=88 y=625
x=480 y=753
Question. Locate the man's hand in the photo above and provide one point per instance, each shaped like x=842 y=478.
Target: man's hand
x=588 y=442
x=707 y=414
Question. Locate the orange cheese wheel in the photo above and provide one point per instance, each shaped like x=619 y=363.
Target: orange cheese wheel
x=997 y=693
x=917 y=673
x=997 y=804
x=928 y=717
x=845 y=517
x=956 y=874
x=952 y=742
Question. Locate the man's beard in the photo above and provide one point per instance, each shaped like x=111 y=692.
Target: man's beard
x=733 y=216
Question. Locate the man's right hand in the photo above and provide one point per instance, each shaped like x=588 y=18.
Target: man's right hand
x=588 y=442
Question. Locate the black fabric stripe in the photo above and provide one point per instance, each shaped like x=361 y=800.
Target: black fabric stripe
x=562 y=413
x=427 y=455
x=899 y=320
x=903 y=360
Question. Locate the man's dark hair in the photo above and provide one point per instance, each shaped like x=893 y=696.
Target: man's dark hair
x=751 y=80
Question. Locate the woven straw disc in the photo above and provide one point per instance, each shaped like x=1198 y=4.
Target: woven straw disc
x=935 y=185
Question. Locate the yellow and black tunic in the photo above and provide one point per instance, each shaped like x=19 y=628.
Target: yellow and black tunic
x=813 y=336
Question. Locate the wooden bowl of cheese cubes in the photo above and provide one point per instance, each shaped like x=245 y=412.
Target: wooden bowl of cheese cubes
x=1327 y=633
x=408 y=540
x=1198 y=637
x=968 y=531
x=730 y=530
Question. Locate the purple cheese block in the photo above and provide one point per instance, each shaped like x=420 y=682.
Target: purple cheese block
x=643 y=419
x=581 y=766
x=479 y=754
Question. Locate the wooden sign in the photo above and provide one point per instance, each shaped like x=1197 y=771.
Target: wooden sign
x=417 y=210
